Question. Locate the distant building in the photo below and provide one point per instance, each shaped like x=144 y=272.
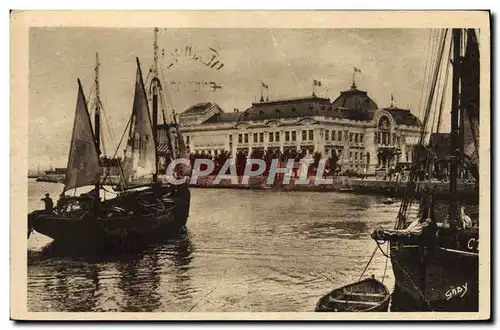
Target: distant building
x=365 y=137
x=57 y=170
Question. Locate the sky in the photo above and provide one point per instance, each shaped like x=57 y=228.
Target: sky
x=287 y=60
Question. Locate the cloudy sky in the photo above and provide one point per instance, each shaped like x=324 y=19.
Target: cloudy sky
x=287 y=60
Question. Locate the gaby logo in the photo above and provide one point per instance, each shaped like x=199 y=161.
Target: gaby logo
x=459 y=291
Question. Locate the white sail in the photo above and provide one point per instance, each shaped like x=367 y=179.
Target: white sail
x=83 y=162
x=140 y=154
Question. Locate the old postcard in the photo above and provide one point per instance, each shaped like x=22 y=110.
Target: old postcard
x=250 y=165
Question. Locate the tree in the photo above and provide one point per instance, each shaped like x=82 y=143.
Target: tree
x=220 y=160
x=333 y=161
x=241 y=162
x=269 y=156
x=316 y=159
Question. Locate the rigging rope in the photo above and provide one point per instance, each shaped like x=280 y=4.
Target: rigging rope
x=435 y=102
x=427 y=59
x=433 y=88
x=118 y=147
x=433 y=55
x=91 y=104
x=440 y=99
x=443 y=97
x=111 y=131
x=167 y=93
x=401 y=218
x=89 y=99
x=149 y=74
x=369 y=261
x=170 y=138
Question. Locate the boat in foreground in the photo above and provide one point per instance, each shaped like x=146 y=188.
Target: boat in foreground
x=143 y=207
x=435 y=256
x=131 y=218
x=368 y=295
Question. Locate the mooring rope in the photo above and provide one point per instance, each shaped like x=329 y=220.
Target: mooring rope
x=369 y=261
x=386 y=261
x=385 y=254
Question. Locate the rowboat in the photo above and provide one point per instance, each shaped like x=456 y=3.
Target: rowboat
x=368 y=295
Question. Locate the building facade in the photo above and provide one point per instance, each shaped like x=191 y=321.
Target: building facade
x=364 y=137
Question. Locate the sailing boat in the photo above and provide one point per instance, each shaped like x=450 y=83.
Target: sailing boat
x=144 y=207
x=435 y=257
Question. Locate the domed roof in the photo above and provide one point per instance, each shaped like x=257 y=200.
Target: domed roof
x=403 y=116
x=354 y=99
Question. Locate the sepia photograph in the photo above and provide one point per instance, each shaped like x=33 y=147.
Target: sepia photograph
x=250 y=163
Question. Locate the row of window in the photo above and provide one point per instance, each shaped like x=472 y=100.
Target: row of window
x=355 y=155
x=356 y=137
x=337 y=136
x=334 y=135
x=307 y=135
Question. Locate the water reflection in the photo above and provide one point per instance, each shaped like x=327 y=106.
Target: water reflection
x=73 y=289
x=177 y=274
x=71 y=279
x=163 y=265
x=260 y=251
x=139 y=281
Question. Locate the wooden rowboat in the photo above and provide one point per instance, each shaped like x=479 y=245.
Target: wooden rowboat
x=368 y=295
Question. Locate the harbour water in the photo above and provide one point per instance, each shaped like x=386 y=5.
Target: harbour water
x=245 y=251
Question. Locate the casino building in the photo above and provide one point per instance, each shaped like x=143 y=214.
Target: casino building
x=366 y=138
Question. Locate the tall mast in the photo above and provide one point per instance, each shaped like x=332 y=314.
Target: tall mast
x=155 y=88
x=455 y=126
x=97 y=121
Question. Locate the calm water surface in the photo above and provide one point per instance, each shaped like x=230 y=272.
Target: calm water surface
x=260 y=251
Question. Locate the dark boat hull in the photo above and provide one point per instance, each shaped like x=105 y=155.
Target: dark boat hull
x=441 y=279
x=114 y=231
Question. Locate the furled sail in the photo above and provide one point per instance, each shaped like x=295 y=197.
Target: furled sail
x=470 y=97
x=83 y=163
x=140 y=153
